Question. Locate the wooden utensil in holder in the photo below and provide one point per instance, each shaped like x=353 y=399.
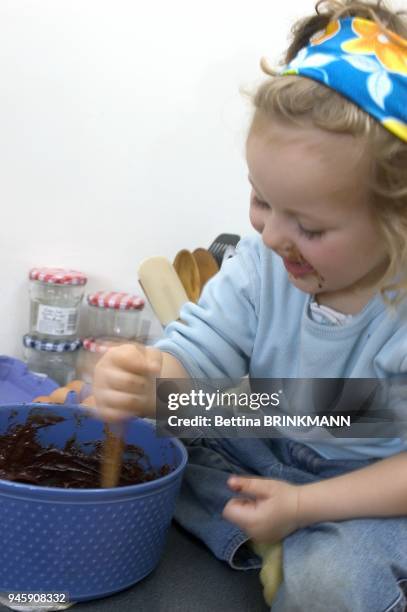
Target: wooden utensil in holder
x=207 y=265
x=187 y=270
x=163 y=288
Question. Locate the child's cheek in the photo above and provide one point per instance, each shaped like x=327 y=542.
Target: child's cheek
x=256 y=220
x=322 y=255
x=314 y=253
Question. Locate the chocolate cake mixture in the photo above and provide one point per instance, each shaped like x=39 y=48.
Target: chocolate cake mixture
x=76 y=466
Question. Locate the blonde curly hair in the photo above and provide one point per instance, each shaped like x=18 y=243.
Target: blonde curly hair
x=299 y=99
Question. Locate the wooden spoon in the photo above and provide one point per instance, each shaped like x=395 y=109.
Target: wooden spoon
x=163 y=288
x=112 y=455
x=207 y=265
x=187 y=269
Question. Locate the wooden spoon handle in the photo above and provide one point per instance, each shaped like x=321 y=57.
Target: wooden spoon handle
x=112 y=456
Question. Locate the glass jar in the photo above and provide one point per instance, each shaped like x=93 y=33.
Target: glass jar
x=55 y=359
x=114 y=314
x=55 y=299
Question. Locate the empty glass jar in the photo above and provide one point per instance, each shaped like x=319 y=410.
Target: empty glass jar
x=55 y=359
x=116 y=315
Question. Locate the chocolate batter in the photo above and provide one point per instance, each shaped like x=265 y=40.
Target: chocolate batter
x=23 y=458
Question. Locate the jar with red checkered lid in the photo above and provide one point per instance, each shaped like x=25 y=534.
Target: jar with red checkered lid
x=55 y=300
x=116 y=315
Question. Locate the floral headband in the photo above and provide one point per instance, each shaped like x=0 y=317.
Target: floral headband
x=363 y=62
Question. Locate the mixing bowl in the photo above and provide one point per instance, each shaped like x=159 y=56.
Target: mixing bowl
x=87 y=543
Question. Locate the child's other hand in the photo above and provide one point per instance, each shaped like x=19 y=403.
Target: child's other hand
x=268 y=510
x=124 y=382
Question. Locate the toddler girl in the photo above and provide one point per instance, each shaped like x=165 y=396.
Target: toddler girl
x=318 y=292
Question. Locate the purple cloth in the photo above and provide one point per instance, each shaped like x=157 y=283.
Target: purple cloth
x=19 y=385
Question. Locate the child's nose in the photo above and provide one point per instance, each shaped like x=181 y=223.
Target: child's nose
x=276 y=233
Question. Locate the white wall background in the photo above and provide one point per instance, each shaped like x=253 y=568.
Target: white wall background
x=122 y=133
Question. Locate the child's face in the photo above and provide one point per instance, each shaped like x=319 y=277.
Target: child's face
x=309 y=203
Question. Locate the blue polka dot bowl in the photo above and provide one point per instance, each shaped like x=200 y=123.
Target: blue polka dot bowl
x=88 y=543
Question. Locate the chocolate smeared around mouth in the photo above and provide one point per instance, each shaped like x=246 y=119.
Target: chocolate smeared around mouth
x=294 y=256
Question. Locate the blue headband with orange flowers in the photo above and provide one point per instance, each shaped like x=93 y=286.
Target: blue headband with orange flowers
x=365 y=63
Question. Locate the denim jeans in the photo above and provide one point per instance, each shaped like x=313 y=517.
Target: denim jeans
x=357 y=565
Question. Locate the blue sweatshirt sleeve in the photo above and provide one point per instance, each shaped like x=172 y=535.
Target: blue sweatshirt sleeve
x=215 y=337
x=391 y=362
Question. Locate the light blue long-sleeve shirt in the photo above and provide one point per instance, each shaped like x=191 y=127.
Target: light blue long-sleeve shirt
x=251 y=320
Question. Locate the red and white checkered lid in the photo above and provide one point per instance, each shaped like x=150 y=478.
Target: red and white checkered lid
x=115 y=300
x=58 y=276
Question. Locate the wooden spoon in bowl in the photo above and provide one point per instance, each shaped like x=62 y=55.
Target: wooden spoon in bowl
x=112 y=455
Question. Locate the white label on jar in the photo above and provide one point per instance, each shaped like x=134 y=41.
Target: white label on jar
x=57 y=321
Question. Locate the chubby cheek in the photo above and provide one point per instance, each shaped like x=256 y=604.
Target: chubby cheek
x=256 y=219
x=322 y=256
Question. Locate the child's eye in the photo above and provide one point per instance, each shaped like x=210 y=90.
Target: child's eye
x=260 y=203
x=310 y=234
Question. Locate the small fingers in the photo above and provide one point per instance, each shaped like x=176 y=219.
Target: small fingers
x=119 y=380
x=241 y=512
x=136 y=359
x=254 y=487
x=124 y=381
